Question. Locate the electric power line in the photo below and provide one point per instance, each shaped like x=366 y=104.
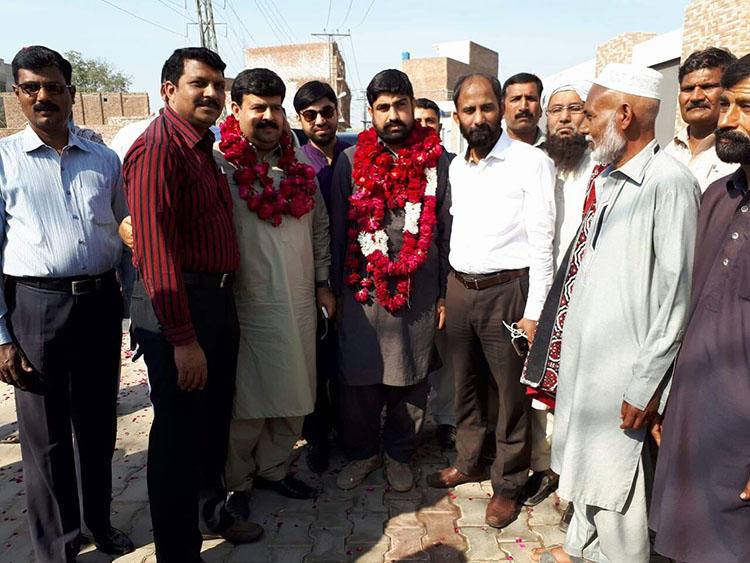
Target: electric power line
x=175 y=10
x=271 y=23
x=367 y=13
x=283 y=19
x=346 y=17
x=356 y=66
x=142 y=18
x=328 y=17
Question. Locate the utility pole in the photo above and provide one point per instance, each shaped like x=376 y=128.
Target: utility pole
x=206 y=24
x=332 y=70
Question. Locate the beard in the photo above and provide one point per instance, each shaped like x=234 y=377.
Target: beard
x=612 y=146
x=481 y=136
x=394 y=137
x=736 y=150
x=322 y=138
x=567 y=152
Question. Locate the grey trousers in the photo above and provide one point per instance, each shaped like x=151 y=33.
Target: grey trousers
x=540 y=444
x=608 y=536
x=441 y=395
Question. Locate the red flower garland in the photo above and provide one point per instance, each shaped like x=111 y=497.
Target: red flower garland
x=384 y=181
x=296 y=192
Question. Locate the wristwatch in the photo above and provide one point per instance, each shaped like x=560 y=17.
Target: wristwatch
x=323 y=283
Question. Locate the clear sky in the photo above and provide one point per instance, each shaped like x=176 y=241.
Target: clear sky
x=540 y=36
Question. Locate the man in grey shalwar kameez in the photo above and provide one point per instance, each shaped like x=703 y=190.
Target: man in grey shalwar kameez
x=385 y=357
x=624 y=320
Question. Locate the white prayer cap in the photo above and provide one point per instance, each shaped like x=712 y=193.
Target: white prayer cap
x=581 y=88
x=631 y=79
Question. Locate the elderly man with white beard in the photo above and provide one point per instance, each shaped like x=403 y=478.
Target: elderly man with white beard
x=619 y=319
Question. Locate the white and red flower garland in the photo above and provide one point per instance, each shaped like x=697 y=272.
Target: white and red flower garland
x=296 y=192
x=407 y=182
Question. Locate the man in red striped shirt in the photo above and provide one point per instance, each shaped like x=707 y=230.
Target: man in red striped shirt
x=183 y=313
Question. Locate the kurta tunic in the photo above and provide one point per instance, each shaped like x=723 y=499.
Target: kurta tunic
x=377 y=346
x=275 y=295
x=624 y=322
x=704 y=459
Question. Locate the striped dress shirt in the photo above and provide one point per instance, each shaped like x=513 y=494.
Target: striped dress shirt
x=182 y=217
x=59 y=212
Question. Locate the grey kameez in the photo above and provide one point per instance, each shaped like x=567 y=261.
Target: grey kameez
x=275 y=295
x=377 y=346
x=624 y=323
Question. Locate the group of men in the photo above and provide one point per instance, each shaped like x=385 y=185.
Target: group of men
x=285 y=292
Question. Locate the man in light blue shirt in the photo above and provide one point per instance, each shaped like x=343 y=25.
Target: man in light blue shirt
x=61 y=201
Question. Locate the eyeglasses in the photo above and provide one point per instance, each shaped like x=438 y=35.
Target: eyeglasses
x=572 y=108
x=53 y=88
x=311 y=115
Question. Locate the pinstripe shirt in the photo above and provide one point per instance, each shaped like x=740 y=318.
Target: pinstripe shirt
x=182 y=216
x=59 y=212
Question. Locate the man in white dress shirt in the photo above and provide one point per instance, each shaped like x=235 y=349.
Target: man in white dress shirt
x=700 y=89
x=501 y=253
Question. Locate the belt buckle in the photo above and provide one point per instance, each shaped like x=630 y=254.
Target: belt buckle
x=226 y=280
x=475 y=282
x=82 y=287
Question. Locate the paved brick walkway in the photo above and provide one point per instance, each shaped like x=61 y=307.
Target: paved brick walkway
x=369 y=524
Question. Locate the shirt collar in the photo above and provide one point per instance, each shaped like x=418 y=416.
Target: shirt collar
x=682 y=138
x=498 y=151
x=32 y=141
x=540 y=138
x=184 y=129
x=635 y=168
x=737 y=183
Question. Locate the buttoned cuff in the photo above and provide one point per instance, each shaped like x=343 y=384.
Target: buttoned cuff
x=181 y=335
x=5 y=336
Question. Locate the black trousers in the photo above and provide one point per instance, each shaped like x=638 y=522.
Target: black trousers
x=484 y=362
x=187 y=445
x=325 y=417
x=361 y=410
x=73 y=343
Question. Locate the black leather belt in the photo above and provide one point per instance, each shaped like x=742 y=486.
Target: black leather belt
x=201 y=279
x=78 y=285
x=483 y=281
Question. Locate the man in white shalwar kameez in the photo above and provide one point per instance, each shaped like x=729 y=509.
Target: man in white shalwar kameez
x=626 y=312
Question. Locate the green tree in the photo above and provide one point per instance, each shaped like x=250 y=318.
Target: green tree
x=96 y=75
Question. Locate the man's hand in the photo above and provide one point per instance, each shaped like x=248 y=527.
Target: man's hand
x=529 y=327
x=126 y=231
x=327 y=299
x=192 y=369
x=440 y=313
x=745 y=494
x=634 y=418
x=14 y=365
x=657 y=426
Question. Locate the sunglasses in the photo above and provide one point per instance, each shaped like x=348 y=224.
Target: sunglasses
x=311 y=115
x=54 y=88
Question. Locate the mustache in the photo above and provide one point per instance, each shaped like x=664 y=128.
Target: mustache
x=207 y=102
x=266 y=124
x=523 y=113
x=699 y=104
x=732 y=135
x=481 y=128
x=45 y=106
x=394 y=123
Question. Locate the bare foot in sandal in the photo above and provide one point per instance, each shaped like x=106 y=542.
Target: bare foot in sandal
x=554 y=553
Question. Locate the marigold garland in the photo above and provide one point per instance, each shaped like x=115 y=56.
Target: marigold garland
x=407 y=182
x=295 y=195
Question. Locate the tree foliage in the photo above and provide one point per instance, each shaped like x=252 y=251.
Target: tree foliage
x=96 y=75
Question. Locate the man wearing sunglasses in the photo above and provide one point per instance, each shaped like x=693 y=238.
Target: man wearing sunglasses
x=317 y=107
x=61 y=200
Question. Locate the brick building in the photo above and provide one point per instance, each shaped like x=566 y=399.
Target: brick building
x=297 y=64
x=719 y=23
x=104 y=112
x=434 y=78
x=6 y=76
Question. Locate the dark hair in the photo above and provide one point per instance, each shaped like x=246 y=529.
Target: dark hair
x=312 y=91
x=712 y=57
x=37 y=57
x=494 y=82
x=257 y=81
x=174 y=66
x=389 y=81
x=426 y=103
x=523 y=78
x=736 y=72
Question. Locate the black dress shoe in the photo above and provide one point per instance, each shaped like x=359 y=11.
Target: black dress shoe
x=113 y=542
x=317 y=457
x=289 y=486
x=539 y=486
x=238 y=505
x=446 y=436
